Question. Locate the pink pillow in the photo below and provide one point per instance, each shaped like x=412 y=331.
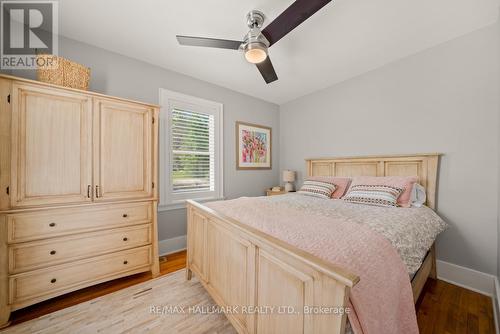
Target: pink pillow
x=404 y=182
x=341 y=184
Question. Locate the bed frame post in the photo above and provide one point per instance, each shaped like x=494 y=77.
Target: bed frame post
x=432 y=253
x=189 y=273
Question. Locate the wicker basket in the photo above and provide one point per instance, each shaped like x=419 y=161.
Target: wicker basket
x=63 y=72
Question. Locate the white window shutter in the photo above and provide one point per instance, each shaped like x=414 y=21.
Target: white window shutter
x=193 y=150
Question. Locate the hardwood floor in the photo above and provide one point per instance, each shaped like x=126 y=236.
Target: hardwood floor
x=447 y=308
x=442 y=307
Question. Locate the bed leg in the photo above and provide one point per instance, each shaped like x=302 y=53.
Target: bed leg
x=189 y=274
x=433 y=273
x=4 y=316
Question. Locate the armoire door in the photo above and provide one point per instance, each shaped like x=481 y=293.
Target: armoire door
x=51 y=146
x=123 y=150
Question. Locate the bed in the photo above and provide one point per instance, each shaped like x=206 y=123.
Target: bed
x=242 y=266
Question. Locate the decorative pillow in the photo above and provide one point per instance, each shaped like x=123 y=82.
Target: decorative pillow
x=373 y=195
x=317 y=188
x=341 y=184
x=418 y=196
x=404 y=182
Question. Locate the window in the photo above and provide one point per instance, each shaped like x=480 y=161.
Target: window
x=191 y=149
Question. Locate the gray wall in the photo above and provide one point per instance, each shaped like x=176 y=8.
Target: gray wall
x=444 y=99
x=121 y=76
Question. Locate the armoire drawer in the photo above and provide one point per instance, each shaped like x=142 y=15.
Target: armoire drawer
x=28 y=288
x=37 y=225
x=39 y=254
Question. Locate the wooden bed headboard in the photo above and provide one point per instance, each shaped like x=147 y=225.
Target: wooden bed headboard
x=424 y=166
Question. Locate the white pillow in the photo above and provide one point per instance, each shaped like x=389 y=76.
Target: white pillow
x=418 y=196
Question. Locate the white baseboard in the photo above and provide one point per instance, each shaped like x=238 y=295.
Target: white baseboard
x=172 y=245
x=467 y=278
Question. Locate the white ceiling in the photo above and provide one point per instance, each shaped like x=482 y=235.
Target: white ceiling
x=344 y=39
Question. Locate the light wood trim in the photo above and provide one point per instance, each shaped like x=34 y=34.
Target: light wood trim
x=29 y=226
x=425 y=164
x=67 y=201
x=432 y=254
x=291 y=286
x=37 y=254
x=196 y=243
x=376 y=157
x=432 y=180
x=155 y=151
x=309 y=280
x=5 y=135
x=270 y=192
x=325 y=267
x=238 y=123
x=425 y=271
x=74 y=90
x=20 y=135
x=77 y=205
x=155 y=265
x=4 y=268
x=101 y=149
x=229 y=260
x=24 y=289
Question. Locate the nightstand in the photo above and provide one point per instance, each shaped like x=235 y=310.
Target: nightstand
x=269 y=192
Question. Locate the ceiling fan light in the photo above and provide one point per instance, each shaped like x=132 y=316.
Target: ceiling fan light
x=255 y=53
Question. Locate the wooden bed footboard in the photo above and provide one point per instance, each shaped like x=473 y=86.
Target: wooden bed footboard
x=263 y=284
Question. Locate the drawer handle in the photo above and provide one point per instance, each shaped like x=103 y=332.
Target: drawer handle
x=124 y=215
x=125 y=262
x=52 y=252
x=125 y=239
x=53 y=280
x=52 y=224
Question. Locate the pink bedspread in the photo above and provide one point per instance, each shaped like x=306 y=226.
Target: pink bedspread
x=382 y=302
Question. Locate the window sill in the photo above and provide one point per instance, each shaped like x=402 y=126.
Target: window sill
x=182 y=204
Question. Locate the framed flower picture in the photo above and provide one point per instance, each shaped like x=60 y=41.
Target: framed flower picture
x=253 y=146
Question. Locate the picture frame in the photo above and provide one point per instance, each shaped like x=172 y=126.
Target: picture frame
x=253 y=146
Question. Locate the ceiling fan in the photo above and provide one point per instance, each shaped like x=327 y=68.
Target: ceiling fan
x=256 y=43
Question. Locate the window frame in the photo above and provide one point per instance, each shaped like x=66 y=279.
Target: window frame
x=168 y=101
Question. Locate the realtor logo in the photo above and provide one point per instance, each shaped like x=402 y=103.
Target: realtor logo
x=28 y=29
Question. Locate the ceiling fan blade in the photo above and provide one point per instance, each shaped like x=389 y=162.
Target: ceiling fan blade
x=267 y=70
x=209 y=42
x=292 y=17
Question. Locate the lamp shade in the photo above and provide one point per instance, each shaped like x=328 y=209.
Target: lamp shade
x=288 y=176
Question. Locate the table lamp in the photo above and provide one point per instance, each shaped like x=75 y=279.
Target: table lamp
x=289 y=179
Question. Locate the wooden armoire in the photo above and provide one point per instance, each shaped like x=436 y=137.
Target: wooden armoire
x=78 y=190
